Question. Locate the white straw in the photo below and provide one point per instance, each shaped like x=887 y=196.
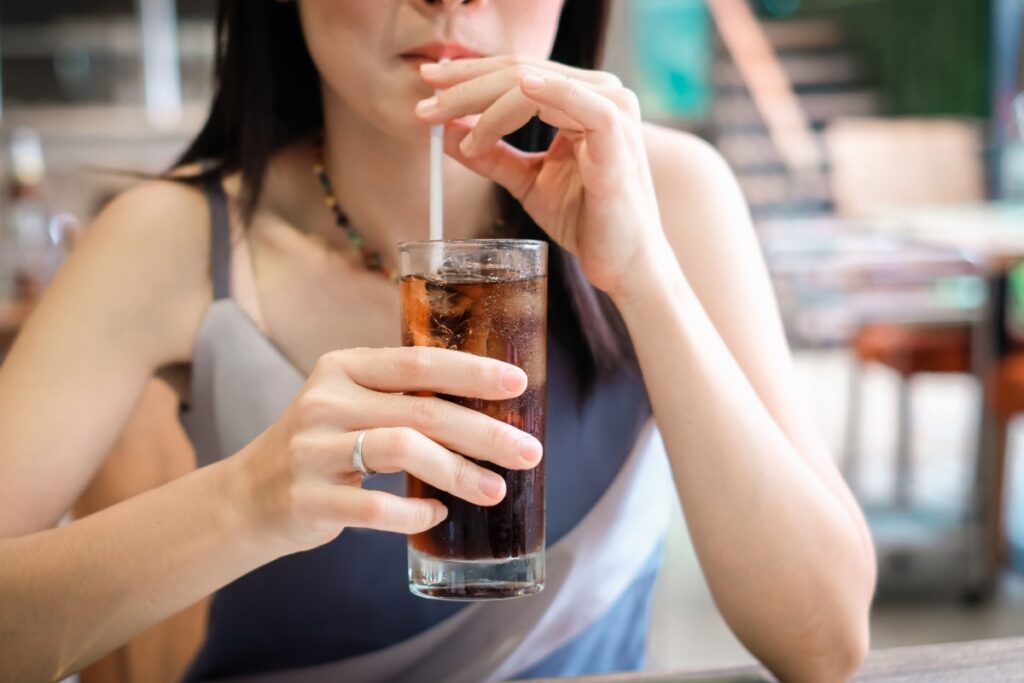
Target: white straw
x=437 y=178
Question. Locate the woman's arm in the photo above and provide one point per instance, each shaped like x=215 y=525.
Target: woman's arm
x=152 y=450
x=128 y=302
x=785 y=548
x=74 y=593
x=782 y=542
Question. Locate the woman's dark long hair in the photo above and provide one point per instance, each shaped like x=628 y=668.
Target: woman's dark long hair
x=267 y=94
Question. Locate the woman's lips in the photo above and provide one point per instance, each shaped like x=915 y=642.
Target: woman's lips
x=416 y=60
x=435 y=52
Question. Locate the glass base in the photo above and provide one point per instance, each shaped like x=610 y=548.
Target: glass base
x=471 y=580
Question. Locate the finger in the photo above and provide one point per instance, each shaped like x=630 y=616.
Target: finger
x=511 y=168
x=459 y=428
x=472 y=97
x=468 y=97
x=511 y=112
x=599 y=116
x=385 y=511
x=626 y=100
x=422 y=368
x=460 y=70
x=402 y=449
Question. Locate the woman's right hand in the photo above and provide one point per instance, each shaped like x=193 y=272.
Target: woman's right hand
x=298 y=479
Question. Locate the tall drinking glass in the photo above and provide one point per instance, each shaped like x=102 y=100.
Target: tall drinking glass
x=489 y=298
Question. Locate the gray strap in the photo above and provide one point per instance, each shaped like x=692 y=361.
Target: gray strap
x=220 y=240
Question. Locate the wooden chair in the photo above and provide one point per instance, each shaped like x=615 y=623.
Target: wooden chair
x=11 y=318
x=152 y=451
x=909 y=350
x=1007 y=402
x=879 y=163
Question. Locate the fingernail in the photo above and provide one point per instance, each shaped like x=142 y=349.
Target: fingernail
x=533 y=81
x=492 y=486
x=430 y=68
x=426 y=106
x=530 y=449
x=511 y=380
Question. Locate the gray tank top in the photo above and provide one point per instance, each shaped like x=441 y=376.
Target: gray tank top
x=343 y=611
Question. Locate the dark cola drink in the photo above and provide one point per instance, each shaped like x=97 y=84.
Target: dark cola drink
x=498 y=310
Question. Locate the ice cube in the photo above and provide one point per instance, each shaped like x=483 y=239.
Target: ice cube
x=446 y=299
x=449 y=313
x=477 y=334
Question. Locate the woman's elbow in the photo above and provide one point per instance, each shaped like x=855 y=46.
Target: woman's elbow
x=848 y=655
x=832 y=642
x=835 y=653
x=844 y=641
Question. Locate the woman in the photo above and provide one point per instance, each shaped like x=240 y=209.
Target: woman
x=660 y=303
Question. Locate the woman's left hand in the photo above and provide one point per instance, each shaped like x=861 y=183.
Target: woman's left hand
x=591 y=191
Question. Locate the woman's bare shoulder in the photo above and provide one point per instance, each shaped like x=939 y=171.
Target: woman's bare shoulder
x=153 y=240
x=163 y=223
x=684 y=159
x=126 y=304
x=697 y=191
x=162 y=209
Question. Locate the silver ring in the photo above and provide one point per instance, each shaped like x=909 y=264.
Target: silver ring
x=357 y=458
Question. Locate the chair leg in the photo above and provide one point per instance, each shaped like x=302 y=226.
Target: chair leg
x=995 y=509
x=851 y=438
x=904 y=471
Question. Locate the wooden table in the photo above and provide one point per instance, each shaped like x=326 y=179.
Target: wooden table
x=993 y=233
x=983 y=661
x=994 y=230
x=987 y=237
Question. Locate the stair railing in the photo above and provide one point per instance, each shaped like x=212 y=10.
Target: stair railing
x=789 y=127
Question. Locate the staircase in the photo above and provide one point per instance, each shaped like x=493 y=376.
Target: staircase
x=830 y=80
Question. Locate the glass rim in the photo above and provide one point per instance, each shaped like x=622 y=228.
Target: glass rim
x=479 y=242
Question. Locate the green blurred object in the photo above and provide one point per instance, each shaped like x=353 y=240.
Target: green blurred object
x=782 y=8
x=929 y=56
x=672 y=56
x=1015 y=302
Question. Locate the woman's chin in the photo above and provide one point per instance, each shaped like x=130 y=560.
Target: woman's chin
x=401 y=123
x=396 y=110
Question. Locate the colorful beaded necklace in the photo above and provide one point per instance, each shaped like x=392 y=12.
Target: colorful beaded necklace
x=371 y=259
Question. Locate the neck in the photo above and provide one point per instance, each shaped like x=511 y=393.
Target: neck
x=383 y=184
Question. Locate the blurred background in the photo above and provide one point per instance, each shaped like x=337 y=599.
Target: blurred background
x=879 y=145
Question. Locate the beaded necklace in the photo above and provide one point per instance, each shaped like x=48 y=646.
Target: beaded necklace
x=371 y=259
